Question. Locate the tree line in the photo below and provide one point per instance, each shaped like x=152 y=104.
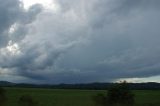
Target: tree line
x=89 y=86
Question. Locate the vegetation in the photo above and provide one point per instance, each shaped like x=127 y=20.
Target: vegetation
x=63 y=97
x=118 y=95
x=27 y=100
x=100 y=100
x=3 y=98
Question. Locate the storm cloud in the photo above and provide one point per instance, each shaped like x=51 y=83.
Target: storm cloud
x=82 y=41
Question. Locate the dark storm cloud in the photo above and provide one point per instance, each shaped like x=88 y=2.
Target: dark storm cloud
x=12 y=12
x=123 y=42
x=9 y=11
x=83 y=41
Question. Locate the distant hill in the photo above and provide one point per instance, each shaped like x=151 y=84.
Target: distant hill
x=90 y=86
x=6 y=83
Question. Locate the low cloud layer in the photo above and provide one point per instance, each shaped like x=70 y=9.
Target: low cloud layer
x=82 y=41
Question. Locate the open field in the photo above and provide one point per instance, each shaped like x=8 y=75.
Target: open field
x=59 y=97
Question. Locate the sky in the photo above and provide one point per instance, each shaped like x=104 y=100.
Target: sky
x=79 y=41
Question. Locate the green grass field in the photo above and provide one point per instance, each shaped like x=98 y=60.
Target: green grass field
x=53 y=97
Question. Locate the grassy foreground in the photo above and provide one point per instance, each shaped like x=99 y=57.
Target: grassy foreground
x=53 y=97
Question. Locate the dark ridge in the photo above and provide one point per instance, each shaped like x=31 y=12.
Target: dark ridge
x=6 y=83
x=89 y=86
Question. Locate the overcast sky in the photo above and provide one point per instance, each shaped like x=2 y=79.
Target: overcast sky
x=79 y=41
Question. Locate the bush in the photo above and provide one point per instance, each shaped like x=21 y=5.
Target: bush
x=3 y=97
x=118 y=95
x=27 y=100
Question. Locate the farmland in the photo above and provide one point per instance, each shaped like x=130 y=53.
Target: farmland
x=62 y=97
